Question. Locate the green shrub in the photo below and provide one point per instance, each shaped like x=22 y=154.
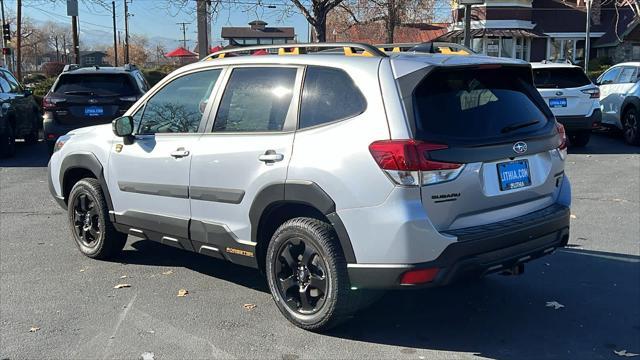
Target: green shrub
x=42 y=88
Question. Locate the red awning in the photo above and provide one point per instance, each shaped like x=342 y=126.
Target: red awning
x=215 y=49
x=181 y=52
x=260 y=52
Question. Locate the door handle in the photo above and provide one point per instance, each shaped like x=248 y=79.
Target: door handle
x=270 y=156
x=180 y=153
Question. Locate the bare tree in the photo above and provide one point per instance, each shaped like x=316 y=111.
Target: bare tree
x=391 y=13
x=316 y=15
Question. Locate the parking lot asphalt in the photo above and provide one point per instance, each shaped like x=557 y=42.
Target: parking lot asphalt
x=47 y=284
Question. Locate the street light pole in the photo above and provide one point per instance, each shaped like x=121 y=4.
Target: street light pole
x=4 y=42
x=587 y=40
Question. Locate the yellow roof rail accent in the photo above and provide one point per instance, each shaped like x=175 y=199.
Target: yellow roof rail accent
x=448 y=51
x=348 y=51
x=285 y=51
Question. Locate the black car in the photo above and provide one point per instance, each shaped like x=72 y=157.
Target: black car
x=19 y=114
x=89 y=96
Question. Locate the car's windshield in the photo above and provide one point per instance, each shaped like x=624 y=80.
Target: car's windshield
x=95 y=84
x=560 y=78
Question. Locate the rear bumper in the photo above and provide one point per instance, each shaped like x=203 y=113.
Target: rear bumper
x=576 y=123
x=478 y=250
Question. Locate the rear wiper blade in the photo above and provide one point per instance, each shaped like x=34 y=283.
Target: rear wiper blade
x=79 y=92
x=513 y=127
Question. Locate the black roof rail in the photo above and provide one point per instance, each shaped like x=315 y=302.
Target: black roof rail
x=348 y=49
x=70 y=67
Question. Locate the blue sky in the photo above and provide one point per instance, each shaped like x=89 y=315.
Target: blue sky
x=152 y=19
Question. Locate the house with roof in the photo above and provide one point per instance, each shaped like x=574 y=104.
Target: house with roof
x=536 y=30
x=375 y=32
x=257 y=33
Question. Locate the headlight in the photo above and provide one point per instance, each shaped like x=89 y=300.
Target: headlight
x=60 y=142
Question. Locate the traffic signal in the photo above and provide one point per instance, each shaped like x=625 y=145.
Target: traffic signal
x=6 y=31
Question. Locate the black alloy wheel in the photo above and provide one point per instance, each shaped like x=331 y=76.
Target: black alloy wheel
x=86 y=222
x=302 y=276
x=631 y=127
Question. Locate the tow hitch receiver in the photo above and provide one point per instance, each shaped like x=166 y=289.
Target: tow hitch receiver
x=515 y=270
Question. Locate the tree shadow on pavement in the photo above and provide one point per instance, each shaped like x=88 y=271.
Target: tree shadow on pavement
x=148 y=252
x=27 y=155
x=507 y=318
x=605 y=142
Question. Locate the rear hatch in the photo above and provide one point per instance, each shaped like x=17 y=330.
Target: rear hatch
x=88 y=99
x=490 y=121
x=566 y=90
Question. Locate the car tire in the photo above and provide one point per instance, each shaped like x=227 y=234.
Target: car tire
x=631 y=127
x=307 y=275
x=7 y=142
x=580 y=139
x=88 y=215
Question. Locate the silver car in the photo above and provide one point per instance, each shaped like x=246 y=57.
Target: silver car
x=620 y=99
x=332 y=173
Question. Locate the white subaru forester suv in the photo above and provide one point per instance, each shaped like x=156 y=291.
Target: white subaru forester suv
x=333 y=173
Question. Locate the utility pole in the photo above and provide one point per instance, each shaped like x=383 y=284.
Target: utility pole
x=19 y=40
x=467 y=19
x=115 y=34
x=184 y=33
x=587 y=40
x=126 y=32
x=76 y=39
x=203 y=28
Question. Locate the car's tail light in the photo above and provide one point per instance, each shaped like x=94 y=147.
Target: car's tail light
x=562 y=143
x=421 y=276
x=407 y=162
x=49 y=102
x=594 y=93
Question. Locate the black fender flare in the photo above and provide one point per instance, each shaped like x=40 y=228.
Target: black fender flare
x=88 y=161
x=300 y=192
x=629 y=101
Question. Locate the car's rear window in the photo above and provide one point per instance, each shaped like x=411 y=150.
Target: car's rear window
x=99 y=84
x=560 y=78
x=476 y=105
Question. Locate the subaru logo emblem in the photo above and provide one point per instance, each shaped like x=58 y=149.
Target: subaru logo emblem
x=559 y=93
x=93 y=101
x=520 y=147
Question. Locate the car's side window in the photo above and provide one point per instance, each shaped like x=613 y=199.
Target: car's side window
x=328 y=95
x=178 y=107
x=610 y=76
x=627 y=75
x=256 y=99
x=13 y=83
x=4 y=85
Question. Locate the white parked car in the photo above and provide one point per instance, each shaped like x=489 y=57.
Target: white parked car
x=572 y=97
x=620 y=99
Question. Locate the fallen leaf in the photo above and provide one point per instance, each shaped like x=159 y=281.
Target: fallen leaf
x=123 y=277
x=147 y=355
x=168 y=272
x=572 y=216
x=34 y=329
x=624 y=353
x=249 y=307
x=120 y=286
x=182 y=293
x=554 y=304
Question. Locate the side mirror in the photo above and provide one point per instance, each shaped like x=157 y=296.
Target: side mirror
x=123 y=127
